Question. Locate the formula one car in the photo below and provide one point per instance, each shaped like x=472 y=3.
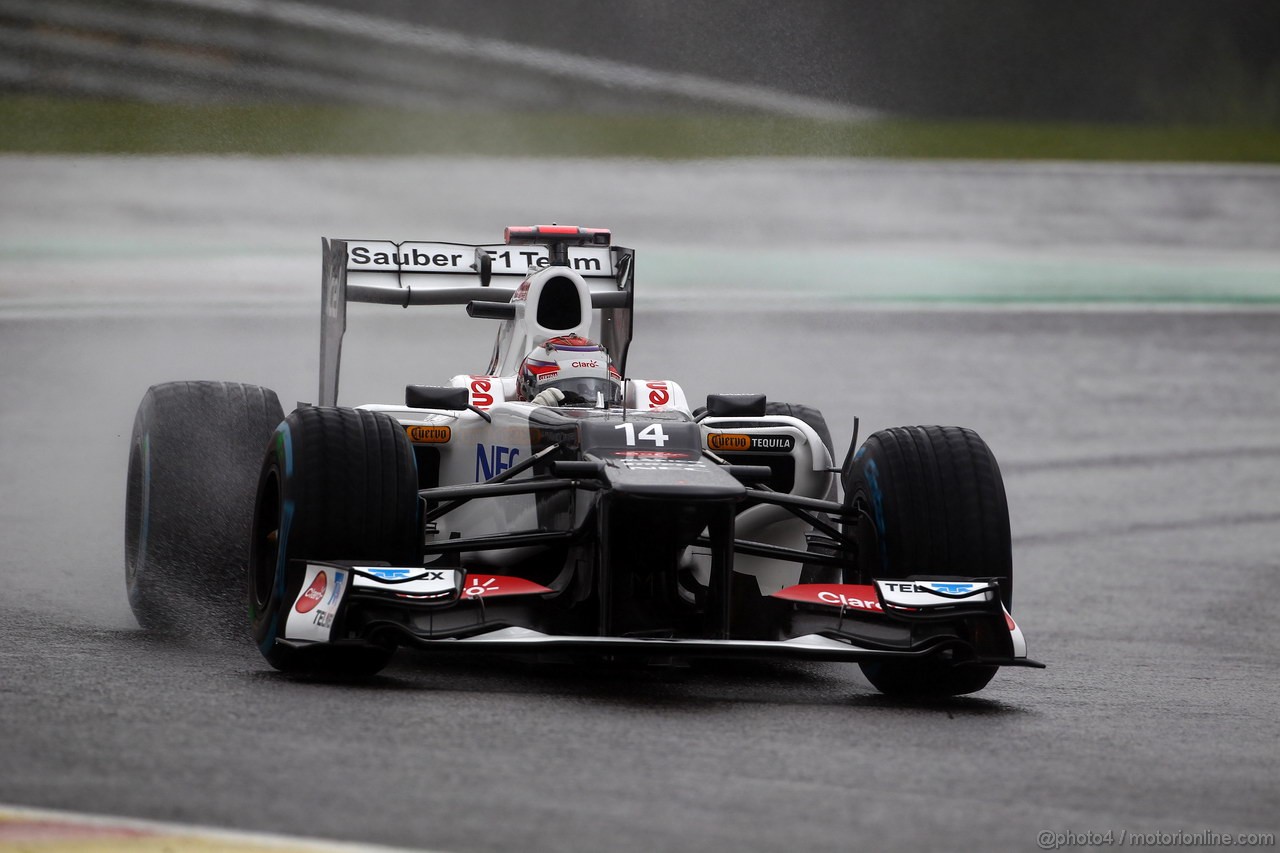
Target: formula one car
x=552 y=504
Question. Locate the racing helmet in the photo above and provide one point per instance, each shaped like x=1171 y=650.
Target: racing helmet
x=579 y=368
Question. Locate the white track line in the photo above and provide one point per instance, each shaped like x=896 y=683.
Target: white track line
x=31 y=829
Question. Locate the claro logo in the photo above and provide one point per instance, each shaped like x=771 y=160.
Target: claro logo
x=728 y=441
x=429 y=434
x=586 y=364
x=480 y=388
x=659 y=394
x=313 y=594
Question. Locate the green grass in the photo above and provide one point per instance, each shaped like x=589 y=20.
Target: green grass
x=47 y=125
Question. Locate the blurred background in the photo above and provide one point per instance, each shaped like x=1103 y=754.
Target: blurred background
x=1093 y=79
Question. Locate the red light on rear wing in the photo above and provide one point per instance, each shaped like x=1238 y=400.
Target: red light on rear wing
x=517 y=235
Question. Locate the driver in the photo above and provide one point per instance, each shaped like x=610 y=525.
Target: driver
x=569 y=371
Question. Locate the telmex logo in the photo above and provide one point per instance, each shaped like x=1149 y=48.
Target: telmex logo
x=429 y=434
x=388 y=574
x=951 y=588
x=728 y=441
x=932 y=586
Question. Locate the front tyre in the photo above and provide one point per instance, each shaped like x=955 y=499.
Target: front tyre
x=929 y=501
x=193 y=470
x=336 y=484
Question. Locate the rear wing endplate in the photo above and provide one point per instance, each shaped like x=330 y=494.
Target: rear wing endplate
x=432 y=273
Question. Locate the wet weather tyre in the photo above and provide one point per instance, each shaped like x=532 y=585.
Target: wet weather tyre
x=193 y=472
x=929 y=501
x=818 y=542
x=336 y=485
x=808 y=414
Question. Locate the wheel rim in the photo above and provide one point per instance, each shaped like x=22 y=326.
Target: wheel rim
x=264 y=554
x=135 y=514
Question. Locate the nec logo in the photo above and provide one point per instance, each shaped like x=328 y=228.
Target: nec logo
x=491 y=461
x=930 y=586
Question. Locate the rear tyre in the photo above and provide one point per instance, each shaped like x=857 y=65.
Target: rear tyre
x=809 y=415
x=929 y=500
x=818 y=542
x=336 y=484
x=193 y=470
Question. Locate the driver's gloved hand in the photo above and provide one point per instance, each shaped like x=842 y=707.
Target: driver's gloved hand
x=549 y=397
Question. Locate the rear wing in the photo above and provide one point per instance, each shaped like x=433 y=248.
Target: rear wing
x=432 y=273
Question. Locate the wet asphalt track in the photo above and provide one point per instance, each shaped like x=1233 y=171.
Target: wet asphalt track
x=1141 y=456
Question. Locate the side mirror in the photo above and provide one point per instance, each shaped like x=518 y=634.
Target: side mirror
x=736 y=405
x=491 y=310
x=436 y=397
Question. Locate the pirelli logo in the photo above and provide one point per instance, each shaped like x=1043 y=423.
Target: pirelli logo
x=731 y=442
x=429 y=434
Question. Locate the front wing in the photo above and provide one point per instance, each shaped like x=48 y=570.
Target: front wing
x=448 y=610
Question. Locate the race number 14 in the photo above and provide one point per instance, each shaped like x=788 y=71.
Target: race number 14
x=653 y=432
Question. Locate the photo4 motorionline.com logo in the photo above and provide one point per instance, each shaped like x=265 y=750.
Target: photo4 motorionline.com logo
x=1051 y=840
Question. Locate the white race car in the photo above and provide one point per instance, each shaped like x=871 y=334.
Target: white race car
x=552 y=503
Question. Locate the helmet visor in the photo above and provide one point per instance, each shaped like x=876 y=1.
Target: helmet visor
x=587 y=391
